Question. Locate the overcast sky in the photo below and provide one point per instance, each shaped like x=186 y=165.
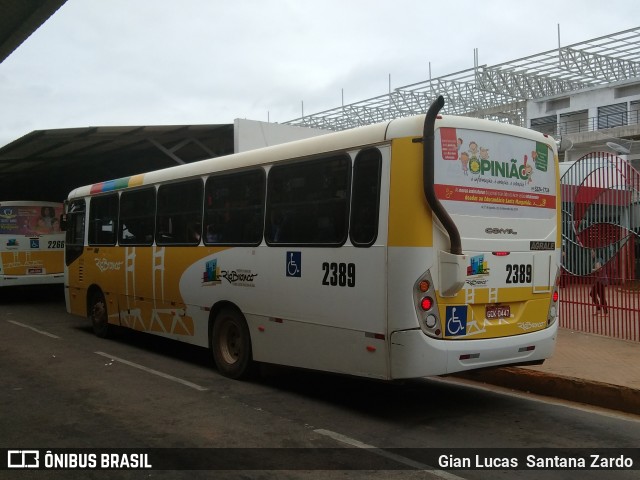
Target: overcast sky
x=162 y=62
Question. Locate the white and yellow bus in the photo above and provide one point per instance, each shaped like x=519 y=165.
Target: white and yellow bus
x=31 y=243
x=421 y=246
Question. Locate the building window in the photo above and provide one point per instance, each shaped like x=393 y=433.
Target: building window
x=612 y=116
x=546 y=124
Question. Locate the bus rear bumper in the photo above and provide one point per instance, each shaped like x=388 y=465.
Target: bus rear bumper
x=414 y=355
x=24 y=280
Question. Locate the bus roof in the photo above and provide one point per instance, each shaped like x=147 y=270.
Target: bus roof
x=323 y=144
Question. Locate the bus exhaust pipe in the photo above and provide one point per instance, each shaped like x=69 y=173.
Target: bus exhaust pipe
x=452 y=264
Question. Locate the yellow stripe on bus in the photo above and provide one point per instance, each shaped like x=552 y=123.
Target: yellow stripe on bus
x=410 y=221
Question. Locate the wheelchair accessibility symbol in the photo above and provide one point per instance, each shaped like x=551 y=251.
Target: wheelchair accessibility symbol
x=294 y=264
x=456 y=318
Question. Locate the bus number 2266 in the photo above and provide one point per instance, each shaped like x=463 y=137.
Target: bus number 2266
x=339 y=274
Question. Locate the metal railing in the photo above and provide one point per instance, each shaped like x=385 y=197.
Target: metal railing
x=618 y=319
x=600 y=280
x=591 y=124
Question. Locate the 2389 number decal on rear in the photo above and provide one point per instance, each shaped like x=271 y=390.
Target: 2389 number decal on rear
x=519 y=273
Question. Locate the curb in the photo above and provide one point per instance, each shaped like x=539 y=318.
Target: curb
x=606 y=395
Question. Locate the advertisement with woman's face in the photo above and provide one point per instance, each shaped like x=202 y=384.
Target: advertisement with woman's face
x=29 y=220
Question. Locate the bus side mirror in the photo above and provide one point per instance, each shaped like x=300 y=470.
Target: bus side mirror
x=63 y=222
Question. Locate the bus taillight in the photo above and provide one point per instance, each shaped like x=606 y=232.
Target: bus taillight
x=426 y=303
x=552 y=316
x=424 y=295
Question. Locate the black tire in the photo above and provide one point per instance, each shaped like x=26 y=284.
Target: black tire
x=98 y=316
x=231 y=344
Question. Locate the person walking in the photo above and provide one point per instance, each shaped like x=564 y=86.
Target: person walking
x=598 y=289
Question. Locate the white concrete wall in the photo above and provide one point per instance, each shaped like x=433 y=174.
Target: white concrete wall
x=589 y=100
x=252 y=134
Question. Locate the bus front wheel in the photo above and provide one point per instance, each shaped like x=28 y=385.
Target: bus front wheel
x=98 y=316
x=231 y=344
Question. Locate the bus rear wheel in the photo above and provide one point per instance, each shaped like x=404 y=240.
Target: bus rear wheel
x=98 y=316
x=231 y=344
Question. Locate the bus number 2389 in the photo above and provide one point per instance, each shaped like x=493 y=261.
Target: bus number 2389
x=519 y=273
x=339 y=274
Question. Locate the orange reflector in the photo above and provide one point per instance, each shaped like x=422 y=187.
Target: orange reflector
x=423 y=286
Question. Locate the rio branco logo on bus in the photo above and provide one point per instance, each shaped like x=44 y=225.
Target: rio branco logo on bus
x=239 y=277
x=211 y=275
x=477 y=271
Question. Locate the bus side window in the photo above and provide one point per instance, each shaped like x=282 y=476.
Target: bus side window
x=179 y=213
x=137 y=217
x=74 y=238
x=234 y=208
x=307 y=202
x=365 y=202
x=103 y=215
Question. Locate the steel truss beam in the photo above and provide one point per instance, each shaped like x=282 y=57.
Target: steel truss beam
x=601 y=67
x=498 y=92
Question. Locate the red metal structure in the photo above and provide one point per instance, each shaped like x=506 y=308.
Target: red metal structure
x=600 y=284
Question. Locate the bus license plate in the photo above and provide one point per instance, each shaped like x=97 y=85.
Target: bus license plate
x=35 y=271
x=498 y=311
